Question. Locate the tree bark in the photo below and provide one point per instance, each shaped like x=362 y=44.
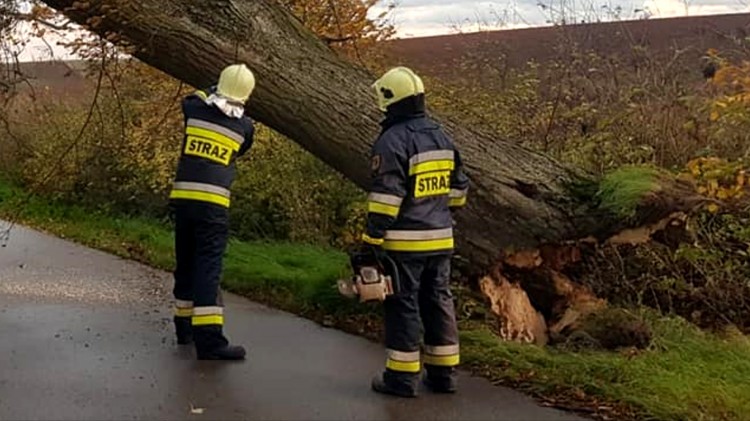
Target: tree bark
x=519 y=199
x=524 y=208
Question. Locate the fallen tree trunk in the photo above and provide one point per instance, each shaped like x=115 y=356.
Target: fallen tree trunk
x=306 y=92
x=519 y=200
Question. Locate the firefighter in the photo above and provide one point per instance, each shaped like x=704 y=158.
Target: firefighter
x=217 y=132
x=417 y=182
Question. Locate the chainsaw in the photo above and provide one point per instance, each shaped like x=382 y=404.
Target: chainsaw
x=374 y=277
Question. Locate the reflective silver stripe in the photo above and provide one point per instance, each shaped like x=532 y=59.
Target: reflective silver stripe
x=419 y=235
x=402 y=356
x=208 y=311
x=208 y=188
x=387 y=199
x=441 y=350
x=194 y=122
x=457 y=194
x=183 y=304
x=431 y=156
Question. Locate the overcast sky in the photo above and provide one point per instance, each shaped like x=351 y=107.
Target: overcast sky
x=432 y=17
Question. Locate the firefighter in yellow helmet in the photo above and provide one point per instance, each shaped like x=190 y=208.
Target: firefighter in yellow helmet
x=417 y=181
x=217 y=132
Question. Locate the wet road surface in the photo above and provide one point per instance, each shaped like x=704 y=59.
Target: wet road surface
x=88 y=336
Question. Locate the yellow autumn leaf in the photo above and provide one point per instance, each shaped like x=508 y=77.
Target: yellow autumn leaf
x=713 y=208
x=694 y=167
x=714 y=115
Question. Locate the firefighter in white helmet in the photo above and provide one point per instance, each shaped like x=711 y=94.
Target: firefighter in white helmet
x=417 y=180
x=217 y=132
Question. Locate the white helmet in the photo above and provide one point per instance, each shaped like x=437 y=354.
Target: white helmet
x=395 y=85
x=236 y=83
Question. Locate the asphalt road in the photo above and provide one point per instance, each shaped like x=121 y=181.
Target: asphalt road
x=88 y=336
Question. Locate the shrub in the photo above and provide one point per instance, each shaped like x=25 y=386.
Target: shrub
x=125 y=160
x=699 y=270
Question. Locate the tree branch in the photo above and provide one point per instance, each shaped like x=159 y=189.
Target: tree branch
x=29 y=17
x=337 y=40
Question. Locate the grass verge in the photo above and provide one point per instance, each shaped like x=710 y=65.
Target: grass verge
x=686 y=375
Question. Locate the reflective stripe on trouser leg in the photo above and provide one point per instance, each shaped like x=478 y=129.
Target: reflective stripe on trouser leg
x=407 y=362
x=183 y=308
x=441 y=355
x=212 y=315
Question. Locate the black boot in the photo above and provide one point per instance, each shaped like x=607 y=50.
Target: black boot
x=210 y=344
x=397 y=384
x=441 y=379
x=184 y=330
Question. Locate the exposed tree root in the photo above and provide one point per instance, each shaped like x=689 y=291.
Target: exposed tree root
x=535 y=301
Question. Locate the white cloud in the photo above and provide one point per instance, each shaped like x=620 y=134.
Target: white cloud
x=44 y=48
x=432 y=17
x=666 y=8
x=420 y=18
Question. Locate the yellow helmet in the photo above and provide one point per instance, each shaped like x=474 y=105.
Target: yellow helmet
x=236 y=83
x=395 y=85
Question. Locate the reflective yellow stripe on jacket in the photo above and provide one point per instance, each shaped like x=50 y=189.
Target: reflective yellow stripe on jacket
x=440 y=160
x=419 y=240
x=215 y=132
x=385 y=204
x=201 y=192
x=458 y=198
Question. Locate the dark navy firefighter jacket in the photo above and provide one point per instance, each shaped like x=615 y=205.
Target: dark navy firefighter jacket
x=417 y=178
x=212 y=143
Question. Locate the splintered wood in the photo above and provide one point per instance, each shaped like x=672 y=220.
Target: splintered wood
x=519 y=321
x=529 y=284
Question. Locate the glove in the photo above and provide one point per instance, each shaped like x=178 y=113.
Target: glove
x=367 y=252
x=374 y=246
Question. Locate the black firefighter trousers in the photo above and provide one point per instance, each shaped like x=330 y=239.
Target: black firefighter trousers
x=201 y=234
x=422 y=307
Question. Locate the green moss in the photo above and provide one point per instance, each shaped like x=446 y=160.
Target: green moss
x=622 y=190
